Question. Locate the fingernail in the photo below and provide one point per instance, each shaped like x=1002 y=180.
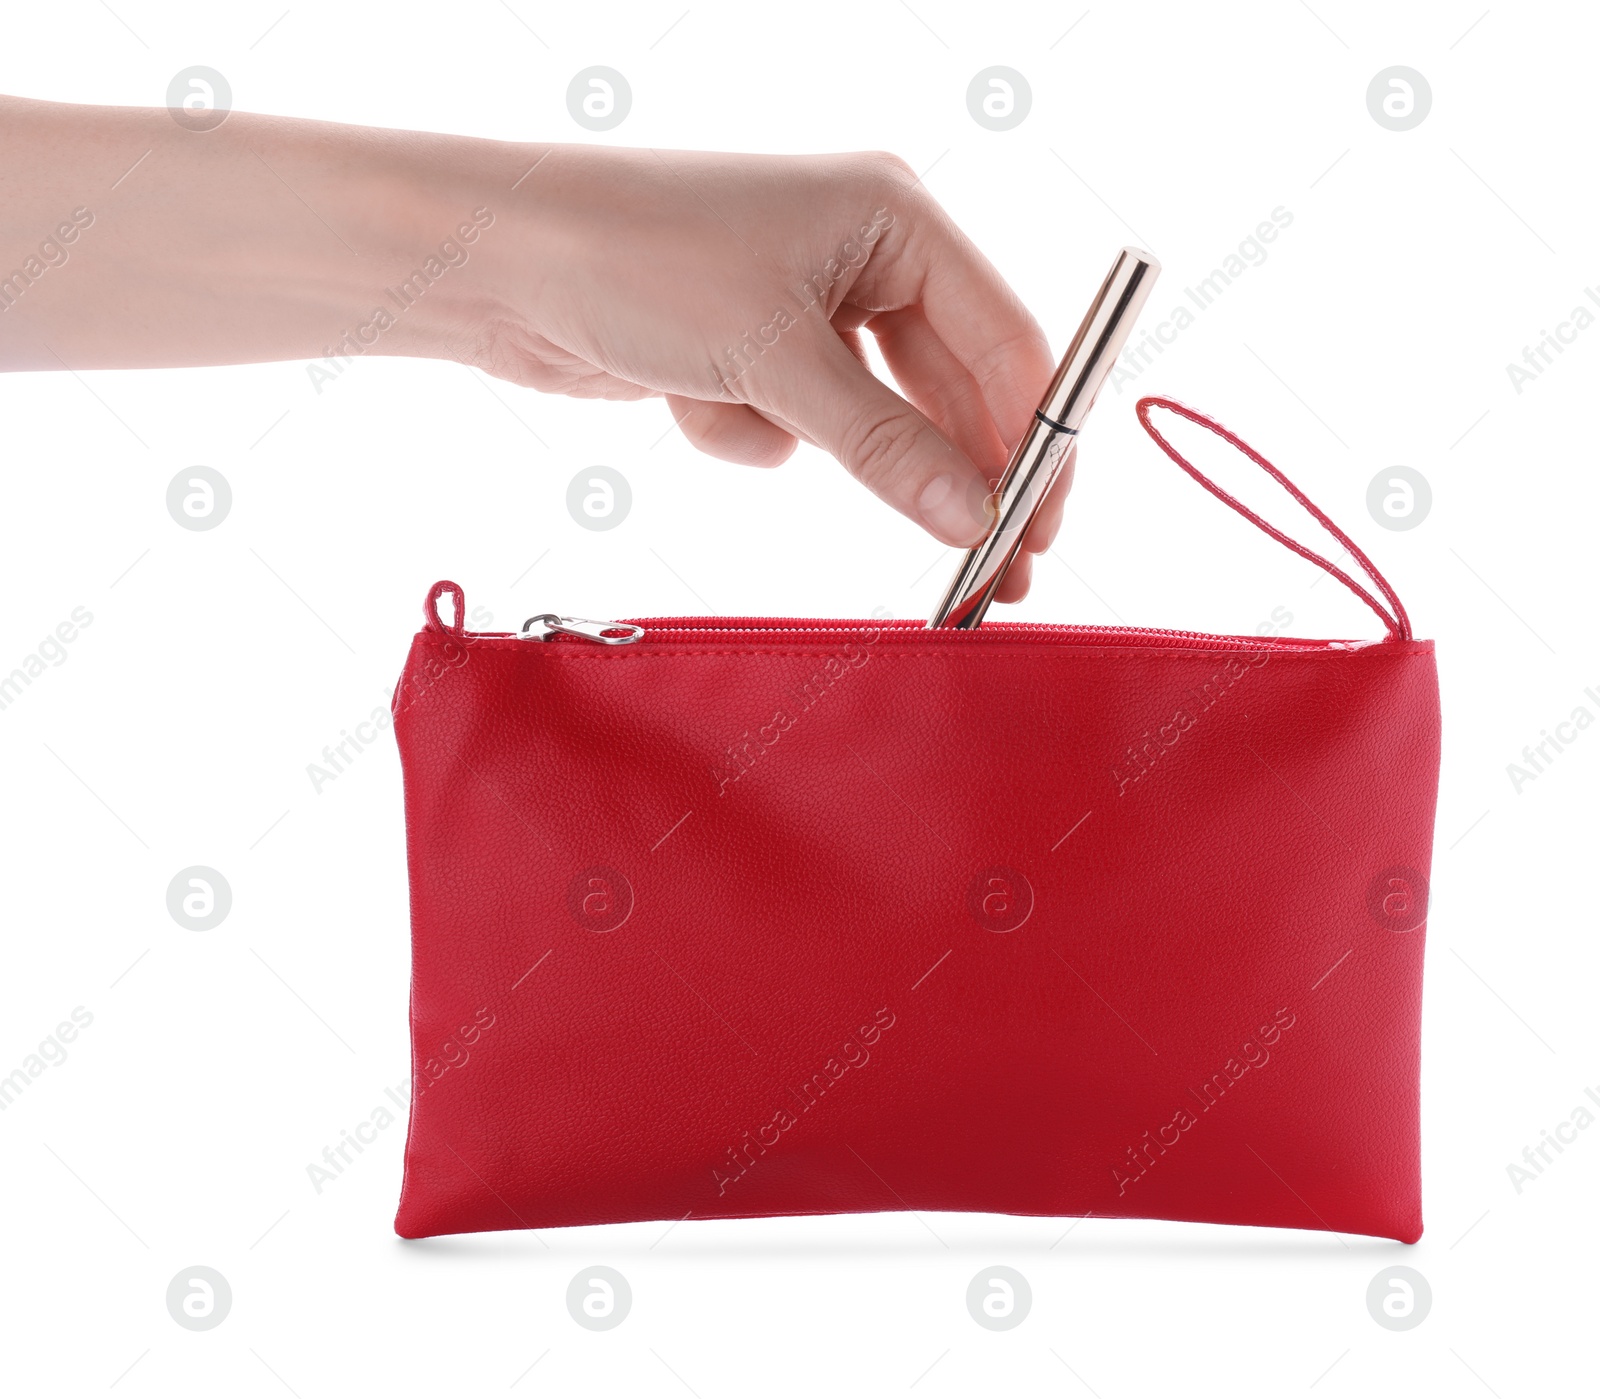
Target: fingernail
x=946 y=511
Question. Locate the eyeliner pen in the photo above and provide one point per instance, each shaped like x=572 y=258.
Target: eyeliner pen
x=1051 y=438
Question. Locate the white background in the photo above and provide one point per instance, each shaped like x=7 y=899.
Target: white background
x=218 y=664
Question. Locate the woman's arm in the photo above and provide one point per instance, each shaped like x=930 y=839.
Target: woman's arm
x=734 y=285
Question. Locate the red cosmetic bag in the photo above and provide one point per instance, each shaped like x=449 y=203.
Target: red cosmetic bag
x=722 y=917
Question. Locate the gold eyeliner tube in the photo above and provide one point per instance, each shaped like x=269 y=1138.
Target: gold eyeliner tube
x=1052 y=436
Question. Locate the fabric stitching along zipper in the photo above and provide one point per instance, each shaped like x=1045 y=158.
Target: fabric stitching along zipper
x=630 y=631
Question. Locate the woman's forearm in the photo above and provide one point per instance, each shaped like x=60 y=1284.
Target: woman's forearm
x=127 y=240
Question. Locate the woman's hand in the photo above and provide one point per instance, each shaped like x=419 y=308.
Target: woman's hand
x=739 y=286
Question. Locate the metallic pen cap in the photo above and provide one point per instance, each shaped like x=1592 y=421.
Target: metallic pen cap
x=1093 y=352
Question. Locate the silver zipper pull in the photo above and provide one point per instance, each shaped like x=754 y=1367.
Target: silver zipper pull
x=547 y=624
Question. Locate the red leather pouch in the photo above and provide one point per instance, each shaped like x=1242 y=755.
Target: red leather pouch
x=737 y=916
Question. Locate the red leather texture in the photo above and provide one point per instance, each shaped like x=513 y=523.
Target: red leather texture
x=782 y=917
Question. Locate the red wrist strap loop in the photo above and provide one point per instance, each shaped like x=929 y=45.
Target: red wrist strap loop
x=430 y=607
x=1397 y=623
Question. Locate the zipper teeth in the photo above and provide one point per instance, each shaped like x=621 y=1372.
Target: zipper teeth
x=993 y=628
x=656 y=627
x=672 y=624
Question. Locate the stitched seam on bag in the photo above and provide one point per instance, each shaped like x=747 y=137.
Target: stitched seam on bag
x=579 y=652
x=1073 y=652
